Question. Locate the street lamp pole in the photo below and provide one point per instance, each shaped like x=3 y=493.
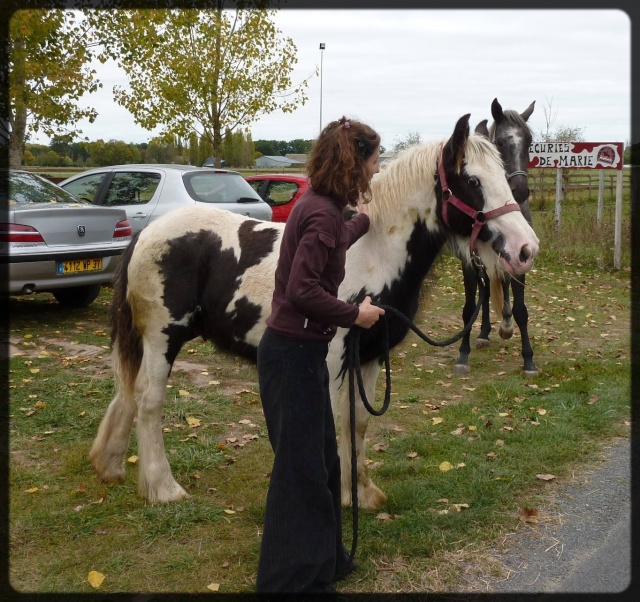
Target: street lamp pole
x=321 y=55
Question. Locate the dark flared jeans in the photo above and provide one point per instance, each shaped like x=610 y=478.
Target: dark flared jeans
x=302 y=549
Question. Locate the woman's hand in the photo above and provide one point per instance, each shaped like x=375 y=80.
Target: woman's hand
x=362 y=207
x=368 y=314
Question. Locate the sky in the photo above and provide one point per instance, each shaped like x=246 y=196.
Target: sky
x=417 y=71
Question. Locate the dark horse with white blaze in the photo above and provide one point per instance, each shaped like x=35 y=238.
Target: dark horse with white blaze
x=210 y=273
x=512 y=136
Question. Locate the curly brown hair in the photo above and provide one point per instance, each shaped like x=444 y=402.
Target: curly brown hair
x=337 y=163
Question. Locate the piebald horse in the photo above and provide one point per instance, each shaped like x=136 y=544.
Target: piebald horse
x=210 y=273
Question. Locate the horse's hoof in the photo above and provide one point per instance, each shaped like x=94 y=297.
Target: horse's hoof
x=106 y=472
x=462 y=369
x=533 y=372
x=371 y=497
x=505 y=333
x=480 y=343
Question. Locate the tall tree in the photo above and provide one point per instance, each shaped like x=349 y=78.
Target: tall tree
x=202 y=70
x=49 y=53
x=411 y=139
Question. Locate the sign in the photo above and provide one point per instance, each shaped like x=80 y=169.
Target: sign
x=577 y=155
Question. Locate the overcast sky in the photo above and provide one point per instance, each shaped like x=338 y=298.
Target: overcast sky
x=405 y=71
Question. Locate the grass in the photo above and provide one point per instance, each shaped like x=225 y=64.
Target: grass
x=459 y=457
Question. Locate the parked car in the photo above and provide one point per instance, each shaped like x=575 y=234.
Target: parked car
x=280 y=191
x=147 y=191
x=53 y=241
x=211 y=162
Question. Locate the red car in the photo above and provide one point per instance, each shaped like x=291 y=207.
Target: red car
x=280 y=191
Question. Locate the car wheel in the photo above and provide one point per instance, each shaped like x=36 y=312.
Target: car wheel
x=77 y=296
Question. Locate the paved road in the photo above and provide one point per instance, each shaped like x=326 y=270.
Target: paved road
x=582 y=545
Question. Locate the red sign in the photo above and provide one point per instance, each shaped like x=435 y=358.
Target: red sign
x=577 y=155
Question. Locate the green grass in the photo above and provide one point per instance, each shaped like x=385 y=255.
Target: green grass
x=494 y=430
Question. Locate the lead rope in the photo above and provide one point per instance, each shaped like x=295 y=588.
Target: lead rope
x=355 y=372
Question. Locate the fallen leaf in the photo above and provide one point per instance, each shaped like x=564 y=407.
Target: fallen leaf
x=412 y=455
x=458 y=431
x=32 y=490
x=384 y=516
x=458 y=507
x=546 y=477
x=445 y=466
x=214 y=382
x=132 y=459
x=214 y=587
x=380 y=447
x=437 y=420
x=193 y=422
x=95 y=579
x=34 y=370
x=541 y=411
x=229 y=511
x=183 y=393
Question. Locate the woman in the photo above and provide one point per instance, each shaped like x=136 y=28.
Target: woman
x=302 y=549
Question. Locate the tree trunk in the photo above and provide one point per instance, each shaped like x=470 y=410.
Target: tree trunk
x=16 y=139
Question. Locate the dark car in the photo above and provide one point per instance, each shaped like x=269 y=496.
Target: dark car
x=280 y=191
x=55 y=242
x=147 y=191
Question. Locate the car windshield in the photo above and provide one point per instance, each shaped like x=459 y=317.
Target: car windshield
x=211 y=187
x=25 y=188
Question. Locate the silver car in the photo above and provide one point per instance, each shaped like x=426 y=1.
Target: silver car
x=147 y=191
x=52 y=241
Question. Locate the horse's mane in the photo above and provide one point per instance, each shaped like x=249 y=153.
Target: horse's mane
x=514 y=118
x=413 y=171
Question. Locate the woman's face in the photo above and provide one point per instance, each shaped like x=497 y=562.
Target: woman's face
x=373 y=163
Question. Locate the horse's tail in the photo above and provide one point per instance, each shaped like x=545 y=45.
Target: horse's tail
x=496 y=294
x=126 y=342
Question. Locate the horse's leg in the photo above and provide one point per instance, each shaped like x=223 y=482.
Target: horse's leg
x=506 y=326
x=112 y=441
x=521 y=316
x=155 y=481
x=370 y=497
x=470 y=287
x=485 y=324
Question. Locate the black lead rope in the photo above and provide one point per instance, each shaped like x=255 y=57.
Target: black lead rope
x=355 y=373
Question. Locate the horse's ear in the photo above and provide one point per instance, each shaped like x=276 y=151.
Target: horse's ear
x=527 y=112
x=496 y=111
x=482 y=128
x=453 y=151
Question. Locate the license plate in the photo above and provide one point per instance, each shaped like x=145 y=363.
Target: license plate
x=79 y=265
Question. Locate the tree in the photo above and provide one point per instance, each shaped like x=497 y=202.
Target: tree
x=562 y=133
x=49 y=51
x=411 y=139
x=201 y=70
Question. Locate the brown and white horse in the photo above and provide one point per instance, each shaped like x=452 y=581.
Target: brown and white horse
x=210 y=273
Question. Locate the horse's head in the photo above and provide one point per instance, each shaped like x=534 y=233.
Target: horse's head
x=511 y=134
x=475 y=203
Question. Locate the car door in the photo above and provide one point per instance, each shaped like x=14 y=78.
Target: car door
x=137 y=192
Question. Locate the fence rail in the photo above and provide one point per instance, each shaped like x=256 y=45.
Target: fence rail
x=577 y=185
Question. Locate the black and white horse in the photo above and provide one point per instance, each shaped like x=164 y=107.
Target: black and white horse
x=210 y=273
x=512 y=136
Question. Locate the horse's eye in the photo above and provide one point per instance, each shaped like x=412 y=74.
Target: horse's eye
x=473 y=182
